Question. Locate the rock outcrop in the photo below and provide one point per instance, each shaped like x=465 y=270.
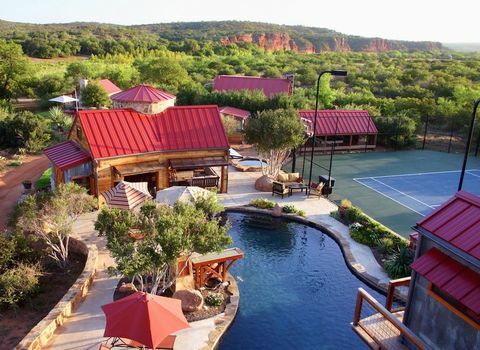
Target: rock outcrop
x=275 y=41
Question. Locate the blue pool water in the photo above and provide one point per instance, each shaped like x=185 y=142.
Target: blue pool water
x=252 y=162
x=295 y=290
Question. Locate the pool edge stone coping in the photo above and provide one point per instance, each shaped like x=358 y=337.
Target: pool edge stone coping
x=353 y=265
x=223 y=323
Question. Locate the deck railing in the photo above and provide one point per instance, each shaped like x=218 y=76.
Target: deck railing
x=393 y=284
x=389 y=316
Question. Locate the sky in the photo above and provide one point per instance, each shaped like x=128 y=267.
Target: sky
x=454 y=21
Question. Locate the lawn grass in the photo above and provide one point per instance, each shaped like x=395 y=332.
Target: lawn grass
x=389 y=213
x=44 y=180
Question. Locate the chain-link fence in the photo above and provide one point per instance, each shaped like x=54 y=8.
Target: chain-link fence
x=444 y=134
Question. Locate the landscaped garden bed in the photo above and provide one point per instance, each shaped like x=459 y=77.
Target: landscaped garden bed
x=42 y=288
x=391 y=250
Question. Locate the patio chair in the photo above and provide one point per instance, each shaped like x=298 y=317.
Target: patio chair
x=316 y=189
x=280 y=188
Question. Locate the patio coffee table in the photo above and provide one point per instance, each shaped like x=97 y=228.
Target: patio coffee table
x=296 y=187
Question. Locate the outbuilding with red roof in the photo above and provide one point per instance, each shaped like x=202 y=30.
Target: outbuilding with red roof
x=109 y=86
x=144 y=99
x=349 y=129
x=444 y=304
x=183 y=145
x=234 y=123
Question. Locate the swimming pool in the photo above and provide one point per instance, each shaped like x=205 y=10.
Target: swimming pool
x=295 y=290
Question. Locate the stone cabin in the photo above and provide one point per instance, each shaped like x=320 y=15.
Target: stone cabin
x=144 y=99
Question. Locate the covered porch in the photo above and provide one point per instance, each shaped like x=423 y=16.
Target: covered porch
x=207 y=172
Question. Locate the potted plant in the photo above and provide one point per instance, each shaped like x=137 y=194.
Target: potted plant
x=345 y=204
x=27 y=184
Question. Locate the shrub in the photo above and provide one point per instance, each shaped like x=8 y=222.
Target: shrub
x=386 y=245
x=289 y=209
x=214 y=299
x=18 y=283
x=7 y=252
x=262 y=203
x=345 y=203
x=398 y=264
x=365 y=234
x=353 y=214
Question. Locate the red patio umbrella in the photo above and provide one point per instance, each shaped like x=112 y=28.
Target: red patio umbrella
x=145 y=318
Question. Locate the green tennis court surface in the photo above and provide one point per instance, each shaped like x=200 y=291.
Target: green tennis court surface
x=395 y=188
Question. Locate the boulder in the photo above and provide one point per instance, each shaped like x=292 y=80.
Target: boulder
x=192 y=300
x=277 y=211
x=264 y=183
x=127 y=288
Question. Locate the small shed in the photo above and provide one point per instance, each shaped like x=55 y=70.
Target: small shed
x=349 y=129
x=109 y=87
x=234 y=123
x=144 y=99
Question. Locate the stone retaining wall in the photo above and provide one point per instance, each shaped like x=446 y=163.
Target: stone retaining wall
x=40 y=335
x=224 y=322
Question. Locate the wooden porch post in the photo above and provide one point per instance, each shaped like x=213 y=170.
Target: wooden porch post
x=224 y=180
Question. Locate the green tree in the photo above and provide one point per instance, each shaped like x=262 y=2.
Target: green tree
x=14 y=69
x=163 y=234
x=24 y=130
x=93 y=95
x=274 y=133
x=165 y=72
x=51 y=216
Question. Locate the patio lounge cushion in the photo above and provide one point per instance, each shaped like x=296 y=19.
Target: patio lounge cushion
x=283 y=177
x=293 y=177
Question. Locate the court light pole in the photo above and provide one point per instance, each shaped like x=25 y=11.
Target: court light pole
x=469 y=141
x=335 y=72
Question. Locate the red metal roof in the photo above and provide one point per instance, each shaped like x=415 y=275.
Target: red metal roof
x=269 y=86
x=67 y=155
x=451 y=276
x=457 y=222
x=142 y=93
x=350 y=122
x=111 y=133
x=109 y=87
x=236 y=112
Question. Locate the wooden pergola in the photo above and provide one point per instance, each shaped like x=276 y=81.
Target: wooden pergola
x=214 y=265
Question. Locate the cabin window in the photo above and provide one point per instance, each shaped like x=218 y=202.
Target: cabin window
x=454 y=306
x=79 y=132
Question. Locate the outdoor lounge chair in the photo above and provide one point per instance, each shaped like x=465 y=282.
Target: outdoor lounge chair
x=316 y=189
x=280 y=188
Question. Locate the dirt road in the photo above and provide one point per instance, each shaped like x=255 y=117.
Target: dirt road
x=11 y=183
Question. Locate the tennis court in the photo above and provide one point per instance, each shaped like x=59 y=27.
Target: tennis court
x=395 y=188
x=422 y=192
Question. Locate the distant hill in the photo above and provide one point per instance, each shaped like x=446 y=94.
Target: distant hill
x=84 y=37
x=463 y=47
